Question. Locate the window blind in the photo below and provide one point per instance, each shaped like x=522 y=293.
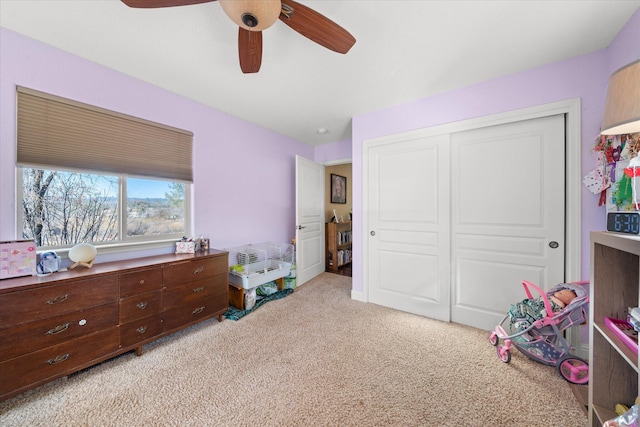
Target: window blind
x=55 y=132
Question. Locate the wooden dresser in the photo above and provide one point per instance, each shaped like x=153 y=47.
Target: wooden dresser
x=56 y=325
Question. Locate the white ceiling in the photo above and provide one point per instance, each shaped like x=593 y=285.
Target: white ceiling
x=405 y=50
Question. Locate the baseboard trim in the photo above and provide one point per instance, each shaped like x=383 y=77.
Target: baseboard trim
x=358 y=296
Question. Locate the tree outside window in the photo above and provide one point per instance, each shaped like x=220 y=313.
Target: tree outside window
x=63 y=208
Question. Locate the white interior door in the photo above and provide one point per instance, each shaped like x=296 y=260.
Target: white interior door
x=507 y=215
x=408 y=218
x=310 y=257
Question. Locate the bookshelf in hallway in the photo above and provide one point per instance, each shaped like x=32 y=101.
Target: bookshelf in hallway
x=338 y=244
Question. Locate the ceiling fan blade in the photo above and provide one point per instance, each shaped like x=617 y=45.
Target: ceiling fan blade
x=316 y=27
x=249 y=50
x=162 y=3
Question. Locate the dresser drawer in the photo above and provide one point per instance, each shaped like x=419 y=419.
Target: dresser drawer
x=188 y=271
x=57 y=360
x=28 y=337
x=48 y=301
x=140 y=282
x=178 y=317
x=194 y=291
x=139 y=306
x=139 y=330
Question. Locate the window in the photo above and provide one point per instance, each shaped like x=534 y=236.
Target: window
x=86 y=174
x=155 y=208
x=62 y=208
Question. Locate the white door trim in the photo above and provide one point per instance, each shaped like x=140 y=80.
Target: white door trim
x=573 y=179
x=338 y=162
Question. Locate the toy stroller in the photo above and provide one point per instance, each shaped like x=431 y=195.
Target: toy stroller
x=542 y=339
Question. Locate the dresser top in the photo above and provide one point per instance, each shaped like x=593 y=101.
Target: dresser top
x=28 y=282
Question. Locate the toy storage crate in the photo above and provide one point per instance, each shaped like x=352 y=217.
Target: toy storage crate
x=255 y=264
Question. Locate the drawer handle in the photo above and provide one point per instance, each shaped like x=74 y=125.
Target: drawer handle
x=200 y=289
x=58 y=329
x=198 y=310
x=141 y=329
x=58 y=299
x=142 y=282
x=58 y=359
x=198 y=270
x=142 y=305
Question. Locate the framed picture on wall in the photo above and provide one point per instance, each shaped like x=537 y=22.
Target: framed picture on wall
x=338 y=189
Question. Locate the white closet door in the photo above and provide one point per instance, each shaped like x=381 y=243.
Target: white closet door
x=408 y=216
x=508 y=215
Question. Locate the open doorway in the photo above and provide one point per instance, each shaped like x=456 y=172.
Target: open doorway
x=338 y=214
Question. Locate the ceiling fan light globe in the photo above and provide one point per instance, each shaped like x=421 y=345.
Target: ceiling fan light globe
x=252 y=15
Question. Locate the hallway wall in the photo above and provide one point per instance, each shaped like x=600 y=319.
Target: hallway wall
x=342 y=210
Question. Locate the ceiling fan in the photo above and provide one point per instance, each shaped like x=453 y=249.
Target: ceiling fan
x=253 y=16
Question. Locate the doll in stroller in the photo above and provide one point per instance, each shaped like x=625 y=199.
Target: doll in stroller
x=535 y=327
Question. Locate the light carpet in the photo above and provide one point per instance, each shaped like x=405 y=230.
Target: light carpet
x=315 y=358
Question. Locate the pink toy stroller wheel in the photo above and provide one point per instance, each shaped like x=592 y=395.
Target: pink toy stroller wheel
x=493 y=338
x=504 y=353
x=573 y=369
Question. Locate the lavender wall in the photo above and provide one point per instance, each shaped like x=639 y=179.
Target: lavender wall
x=243 y=188
x=584 y=77
x=625 y=48
x=334 y=151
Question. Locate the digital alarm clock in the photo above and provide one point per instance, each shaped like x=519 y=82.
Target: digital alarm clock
x=624 y=222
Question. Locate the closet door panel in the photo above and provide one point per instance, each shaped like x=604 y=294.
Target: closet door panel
x=507 y=215
x=409 y=221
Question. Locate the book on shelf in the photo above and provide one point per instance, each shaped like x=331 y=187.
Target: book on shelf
x=344 y=237
x=343 y=256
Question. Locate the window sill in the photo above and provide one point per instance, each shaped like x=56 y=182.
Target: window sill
x=121 y=248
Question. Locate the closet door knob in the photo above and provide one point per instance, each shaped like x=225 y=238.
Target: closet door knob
x=373 y=233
